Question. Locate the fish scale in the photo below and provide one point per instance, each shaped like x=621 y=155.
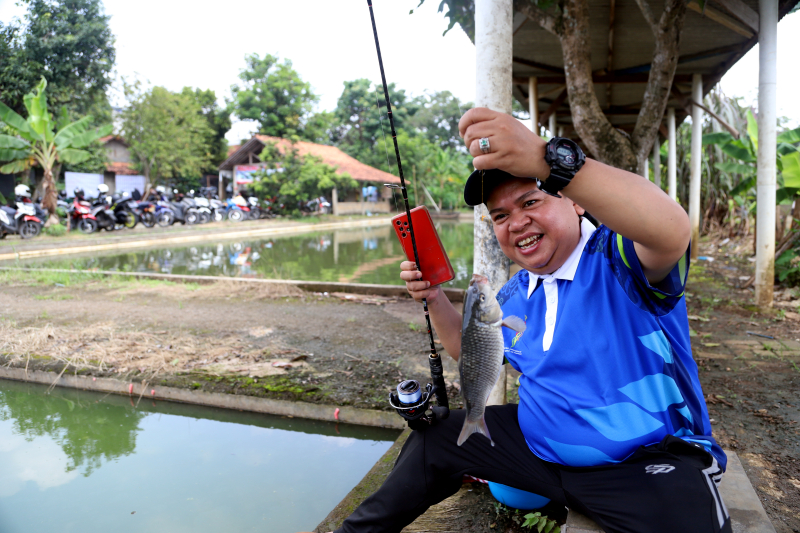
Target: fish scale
x=481 y=352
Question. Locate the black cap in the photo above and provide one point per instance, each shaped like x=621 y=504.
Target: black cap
x=479 y=188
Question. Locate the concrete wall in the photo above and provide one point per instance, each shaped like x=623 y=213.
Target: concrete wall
x=117 y=152
x=353 y=208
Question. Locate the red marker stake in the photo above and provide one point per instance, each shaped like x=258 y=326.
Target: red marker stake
x=336 y=414
x=130 y=388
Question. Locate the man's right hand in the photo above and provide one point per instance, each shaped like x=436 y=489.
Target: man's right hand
x=417 y=288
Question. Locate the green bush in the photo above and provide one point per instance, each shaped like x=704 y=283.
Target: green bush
x=55 y=230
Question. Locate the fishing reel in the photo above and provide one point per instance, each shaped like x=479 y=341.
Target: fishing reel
x=412 y=402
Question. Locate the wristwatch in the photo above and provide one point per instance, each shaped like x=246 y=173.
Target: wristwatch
x=565 y=158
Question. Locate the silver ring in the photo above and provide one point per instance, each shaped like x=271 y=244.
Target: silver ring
x=484 y=145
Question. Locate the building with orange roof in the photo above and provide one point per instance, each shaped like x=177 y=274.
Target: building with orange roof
x=245 y=159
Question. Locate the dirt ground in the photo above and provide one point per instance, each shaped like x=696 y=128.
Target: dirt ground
x=280 y=342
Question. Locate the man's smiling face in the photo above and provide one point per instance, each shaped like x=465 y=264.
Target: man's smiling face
x=535 y=230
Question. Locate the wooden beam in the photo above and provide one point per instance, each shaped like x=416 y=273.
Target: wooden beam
x=536 y=64
x=721 y=18
x=605 y=78
x=741 y=11
x=733 y=131
x=553 y=107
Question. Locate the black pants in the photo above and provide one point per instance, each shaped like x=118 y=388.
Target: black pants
x=664 y=488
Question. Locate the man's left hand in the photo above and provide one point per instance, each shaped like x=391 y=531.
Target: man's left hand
x=513 y=147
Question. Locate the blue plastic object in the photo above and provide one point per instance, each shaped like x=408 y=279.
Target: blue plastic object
x=518 y=499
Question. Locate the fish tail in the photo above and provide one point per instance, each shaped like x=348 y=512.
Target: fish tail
x=478 y=426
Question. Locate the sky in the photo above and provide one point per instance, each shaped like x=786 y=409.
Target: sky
x=175 y=44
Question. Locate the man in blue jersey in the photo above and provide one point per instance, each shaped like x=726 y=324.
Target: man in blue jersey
x=611 y=419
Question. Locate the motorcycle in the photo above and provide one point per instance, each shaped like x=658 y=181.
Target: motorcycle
x=317 y=205
x=105 y=217
x=203 y=207
x=21 y=221
x=255 y=209
x=81 y=217
x=124 y=209
x=218 y=210
x=237 y=211
x=146 y=211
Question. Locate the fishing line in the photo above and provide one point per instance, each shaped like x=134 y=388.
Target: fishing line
x=434 y=357
x=386 y=147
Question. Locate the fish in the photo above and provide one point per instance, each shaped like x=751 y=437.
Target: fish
x=481 y=352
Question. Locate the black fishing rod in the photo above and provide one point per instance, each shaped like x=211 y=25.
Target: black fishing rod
x=437 y=372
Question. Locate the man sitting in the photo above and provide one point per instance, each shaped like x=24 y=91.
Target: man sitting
x=611 y=420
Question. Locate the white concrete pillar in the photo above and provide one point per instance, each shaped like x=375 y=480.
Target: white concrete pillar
x=560 y=131
x=335 y=201
x=646 y=170
x=767 y=122
x=533 y=103
x=493 y=47
x=696 y=162
x=672 y=169
x=657 y=163
x=551 y=125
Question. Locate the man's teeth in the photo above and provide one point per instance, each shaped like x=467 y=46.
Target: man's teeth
x=529 y=242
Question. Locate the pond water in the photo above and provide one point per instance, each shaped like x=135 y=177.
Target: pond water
x=361 y=255
x=76 y=461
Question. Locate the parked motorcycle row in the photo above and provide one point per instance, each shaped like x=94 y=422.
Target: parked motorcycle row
x=162 y=207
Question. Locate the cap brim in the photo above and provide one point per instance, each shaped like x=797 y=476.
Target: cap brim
x=481 y=183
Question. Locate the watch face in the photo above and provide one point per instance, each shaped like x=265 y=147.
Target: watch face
x=566 y=155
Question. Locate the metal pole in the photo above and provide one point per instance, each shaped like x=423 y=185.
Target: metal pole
x=767 y=122
x=657 y=163
x=672 y=170
x=493 y=40
x=533 y=103
x=696 y=163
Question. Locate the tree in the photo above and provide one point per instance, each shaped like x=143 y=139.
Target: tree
x=273 y=94
x=363 y=130
x=36 y=142
x=167 y=133
x=297 y=178
x=568 y=20
x=436 y=117
x=219 y=122
x=69 y=43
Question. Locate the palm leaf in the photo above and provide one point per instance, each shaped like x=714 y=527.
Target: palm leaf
x=752 y=129
x=738 y=151
x=38 y=117
x=744 y=186
x=734 y=168
x=72 y=156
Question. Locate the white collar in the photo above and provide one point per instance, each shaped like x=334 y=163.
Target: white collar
x=567 y=270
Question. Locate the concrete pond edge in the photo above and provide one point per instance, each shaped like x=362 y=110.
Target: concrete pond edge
x=136 y=390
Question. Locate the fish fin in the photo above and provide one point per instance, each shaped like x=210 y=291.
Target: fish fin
x=479 y=426
x=515 y=323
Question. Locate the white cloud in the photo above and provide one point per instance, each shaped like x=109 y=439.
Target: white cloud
x=40 y=460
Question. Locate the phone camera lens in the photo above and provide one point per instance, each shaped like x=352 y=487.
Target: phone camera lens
x=403 y=234
x=399 y=223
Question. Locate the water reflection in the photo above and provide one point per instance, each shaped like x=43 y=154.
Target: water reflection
x=98 y=463
x=363 y=255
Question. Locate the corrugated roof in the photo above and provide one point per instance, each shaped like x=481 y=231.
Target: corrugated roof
x=107 y=138
x=123 y=169
x=330 y=155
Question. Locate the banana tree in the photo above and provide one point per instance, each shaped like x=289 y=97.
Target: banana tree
x=35 y=142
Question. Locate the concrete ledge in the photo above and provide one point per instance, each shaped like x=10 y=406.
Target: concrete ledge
x=455 y=295
x=347 y=415
x=747 y=514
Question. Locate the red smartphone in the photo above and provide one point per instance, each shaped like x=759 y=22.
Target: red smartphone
x=434 y=263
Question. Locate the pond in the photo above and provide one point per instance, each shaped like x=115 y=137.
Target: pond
x=361 y=255
x=77 y=461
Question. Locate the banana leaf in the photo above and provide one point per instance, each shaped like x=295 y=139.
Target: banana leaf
x=11 y=154
x=72 y=156
x=786 y=149
x=752 y=130
x=743 y=186
x=16 y=166
x=738 y=151
x=38 y=117
x=735 y=168
x=785 y=195
x=68 y=132
x=791 y=170
x=10 y=117
x=86 y=138
x=8 y=141
x=721 y=137
x=791 y=136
